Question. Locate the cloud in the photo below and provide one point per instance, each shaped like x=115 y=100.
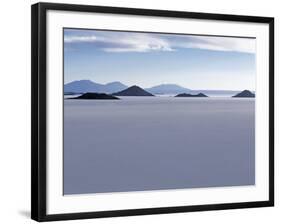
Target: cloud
x=73 y=39
x=244 y=45
x=125 y=42
x=110 y=41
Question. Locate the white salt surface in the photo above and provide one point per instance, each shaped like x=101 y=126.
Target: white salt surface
x=156 y=143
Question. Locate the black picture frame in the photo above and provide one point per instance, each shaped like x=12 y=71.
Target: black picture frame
x=39 y=122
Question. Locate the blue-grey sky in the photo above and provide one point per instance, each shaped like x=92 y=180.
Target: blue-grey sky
x=148 y=59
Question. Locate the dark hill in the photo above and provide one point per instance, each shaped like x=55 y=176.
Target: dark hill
x=245 y=93
x=96 y=96
x=133 y=91
x=191 y=95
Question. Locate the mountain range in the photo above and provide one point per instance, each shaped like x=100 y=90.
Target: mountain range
x=84 y=86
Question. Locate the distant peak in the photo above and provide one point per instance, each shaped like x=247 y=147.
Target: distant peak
x=245 y=93
x=135 y=86
x=133 y=91
x=167 y=88
x=115 y=82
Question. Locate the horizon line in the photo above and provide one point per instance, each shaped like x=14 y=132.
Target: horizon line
x=157 y=85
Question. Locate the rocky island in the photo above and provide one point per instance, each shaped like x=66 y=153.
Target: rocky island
x=133 y=91
x=246 y=94
x=191 y=95
x=95 y=96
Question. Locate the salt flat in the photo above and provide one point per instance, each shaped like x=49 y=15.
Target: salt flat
x=154 y=143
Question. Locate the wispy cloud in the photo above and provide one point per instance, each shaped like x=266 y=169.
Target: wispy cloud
x=73 y=39
x=109 y=41
x=245 y=45
x=123 y=42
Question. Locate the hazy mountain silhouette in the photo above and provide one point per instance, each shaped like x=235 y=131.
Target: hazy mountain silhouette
x=83 y=86
x=191 y=95
x=133 y=91
x=96 y=96
x=114 y=87
x=167 y=89
x=245 y=93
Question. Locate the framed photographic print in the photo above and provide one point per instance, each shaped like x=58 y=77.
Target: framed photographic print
x=139 y=111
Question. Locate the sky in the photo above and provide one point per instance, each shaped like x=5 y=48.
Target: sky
x=149 y=59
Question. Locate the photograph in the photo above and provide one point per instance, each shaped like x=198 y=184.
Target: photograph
x=139 y=111
x=152 y=111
